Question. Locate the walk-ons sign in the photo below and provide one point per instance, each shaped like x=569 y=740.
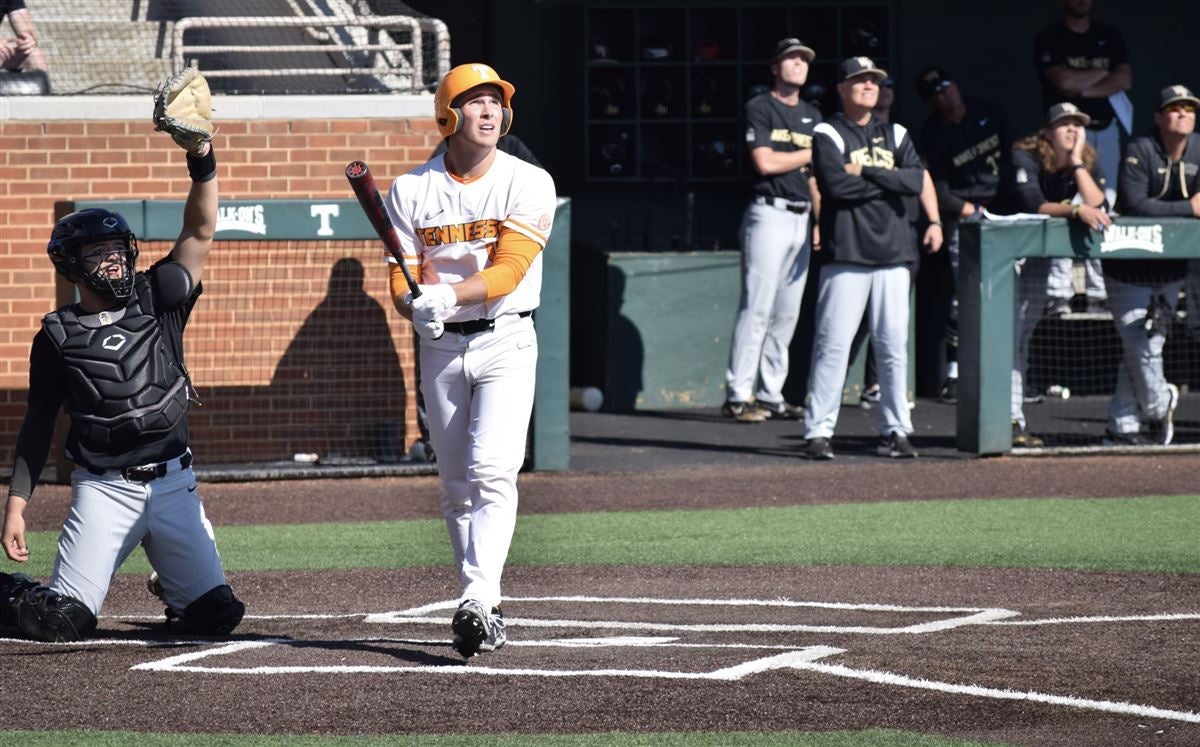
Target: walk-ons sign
x=1145 y=238
x=289 y=219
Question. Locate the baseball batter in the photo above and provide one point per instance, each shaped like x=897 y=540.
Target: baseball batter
x=775 y=240
x=472 y=224
x=865 y=168
x=115 y=359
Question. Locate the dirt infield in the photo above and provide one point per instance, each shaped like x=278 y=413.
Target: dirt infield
x=1025 y=656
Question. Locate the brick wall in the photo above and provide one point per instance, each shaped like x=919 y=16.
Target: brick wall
x=42 y=163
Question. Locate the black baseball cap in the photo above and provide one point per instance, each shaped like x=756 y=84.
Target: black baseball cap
x=933 y=80
x=853 y=67
x=791 y=44
x=1066 y=110
x=1175 y=94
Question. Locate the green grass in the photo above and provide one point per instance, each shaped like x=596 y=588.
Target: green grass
x=872 y=737
x=1153 y=534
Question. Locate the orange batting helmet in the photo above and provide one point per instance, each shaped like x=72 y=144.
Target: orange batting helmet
x=457 y=82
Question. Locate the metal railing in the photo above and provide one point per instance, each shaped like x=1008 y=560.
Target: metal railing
x=400 y=65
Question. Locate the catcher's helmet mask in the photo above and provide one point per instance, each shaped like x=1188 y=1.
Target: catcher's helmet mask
x=74 y=234
x=460 y=81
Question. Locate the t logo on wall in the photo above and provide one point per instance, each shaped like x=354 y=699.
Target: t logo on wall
x=114 y=342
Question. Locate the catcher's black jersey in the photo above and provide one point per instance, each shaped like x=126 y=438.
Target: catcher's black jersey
x=770 y=123
x=96 y=371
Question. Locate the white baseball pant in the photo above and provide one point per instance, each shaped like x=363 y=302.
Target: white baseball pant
x=775 y=254
x=846 y=291
x=478 y=392
x=1029 y=306
x=110 y=516
x=1141 y=386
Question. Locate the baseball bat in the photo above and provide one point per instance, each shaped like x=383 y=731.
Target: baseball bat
x=363 y=184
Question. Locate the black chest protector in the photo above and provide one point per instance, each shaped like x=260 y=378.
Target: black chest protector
x=125 y=387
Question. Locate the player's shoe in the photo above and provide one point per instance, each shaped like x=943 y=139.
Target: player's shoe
x=1163 y=431
x=1023 y=439
x=820 y=448
x=476 y=630
x=174 y=619
x=743 y=412
x=778 y=411
x=1058 y=307
x=871 y=397
x=1125 y=439
x=949 y=391
x=897 y=446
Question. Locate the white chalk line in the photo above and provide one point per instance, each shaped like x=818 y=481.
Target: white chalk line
x=182 y=663
x=975 y=616
x=1100 y=619
x=805 y=659
x=781 y=602
x=889 y=678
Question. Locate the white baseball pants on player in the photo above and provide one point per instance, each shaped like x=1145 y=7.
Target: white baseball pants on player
x=846 y=292
x=110 y=516
x=1141 y=386
x=775 y=251
x=478 y=396
x=1029 y=306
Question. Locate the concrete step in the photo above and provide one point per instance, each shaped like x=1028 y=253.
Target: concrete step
x=92 y=10
x=106 y=56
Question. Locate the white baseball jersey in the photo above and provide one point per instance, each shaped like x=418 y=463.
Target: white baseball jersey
x=448 y=228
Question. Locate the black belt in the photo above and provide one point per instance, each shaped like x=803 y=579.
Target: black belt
x=478 y=325
x=801 y=207
x=144 y=472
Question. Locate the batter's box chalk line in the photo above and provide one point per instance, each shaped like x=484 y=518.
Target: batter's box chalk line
x=798 y=658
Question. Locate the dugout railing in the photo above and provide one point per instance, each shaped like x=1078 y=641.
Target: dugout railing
x=986 y=285
x=302 y=367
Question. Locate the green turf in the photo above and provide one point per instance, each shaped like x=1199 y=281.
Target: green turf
x=1155 y=534
x=871 y=737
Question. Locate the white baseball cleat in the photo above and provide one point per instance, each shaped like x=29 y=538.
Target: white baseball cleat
x=476 y=630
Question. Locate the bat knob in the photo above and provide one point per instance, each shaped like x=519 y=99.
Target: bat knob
x=355 y=169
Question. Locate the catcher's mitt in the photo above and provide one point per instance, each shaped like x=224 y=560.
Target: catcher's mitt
x=183 y=108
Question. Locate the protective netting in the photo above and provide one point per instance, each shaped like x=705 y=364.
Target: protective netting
x=1081 y=384
x=242 y=46
x=297 y=355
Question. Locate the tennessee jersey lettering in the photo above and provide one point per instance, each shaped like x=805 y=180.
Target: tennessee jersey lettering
x=473 y=231
x=449 y=229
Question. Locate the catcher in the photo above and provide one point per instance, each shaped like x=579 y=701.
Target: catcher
x=115 y=360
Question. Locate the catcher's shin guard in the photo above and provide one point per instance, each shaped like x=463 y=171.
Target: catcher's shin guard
x=216 y=612
x=45 y=615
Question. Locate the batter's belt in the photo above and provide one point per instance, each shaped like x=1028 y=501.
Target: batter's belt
x=146 y=472
x=478 y=325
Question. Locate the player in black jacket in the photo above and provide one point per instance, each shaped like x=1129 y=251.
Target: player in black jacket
x=864 y=169
x=1160 y=176
x=1052 y=172
x=964 y=142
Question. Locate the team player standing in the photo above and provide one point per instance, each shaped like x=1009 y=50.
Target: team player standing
x=776 y=240
x=472 y=224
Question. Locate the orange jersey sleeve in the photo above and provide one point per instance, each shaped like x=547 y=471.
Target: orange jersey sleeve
x=513 y=255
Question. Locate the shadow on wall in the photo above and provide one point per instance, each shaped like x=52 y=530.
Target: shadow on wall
x=626 y=352
x=342 y=369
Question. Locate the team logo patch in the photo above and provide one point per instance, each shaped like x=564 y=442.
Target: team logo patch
x=1022 y=176
x=543 y=223
x=749 y=134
